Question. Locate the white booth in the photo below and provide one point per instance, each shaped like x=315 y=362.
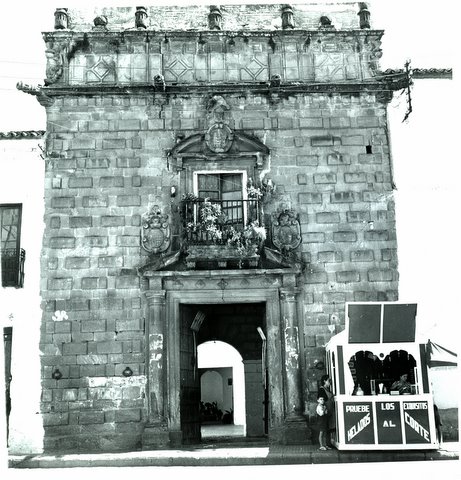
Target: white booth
x=377 y=346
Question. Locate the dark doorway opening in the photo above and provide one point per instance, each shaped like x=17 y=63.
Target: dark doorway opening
x=237 y=325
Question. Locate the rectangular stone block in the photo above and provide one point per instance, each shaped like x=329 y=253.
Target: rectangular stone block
x=80 y=182
x=381 y=275
x=344 y=237
x=329 y=257
x=126 y=162
x=90 y=417
x=312 y=122
x=307 y=160
x=77 y=304
x=316 y=277
x=310 y=198
x=370 y=158
x=110 y=262
x=126 y=281
x=340 y=122
x=112 y=221
x=347 y=277
x=62 y=242
x=389 y=254
x=80 y=222
x=82 y=143
x=94 y=283
x=353 y=140
x=108 y=182
x=107 y=304
x=127 y=241
x=362 y=256
x=55 y=222
x=127 y=415
x=63 y=202
x=132 y=124
x=109 y=347
x=313 y=237
x=376 y=235
x=325 y=141
x=358 y=216
x=324 y=178
x=368 y=121
x=95 y=241
x=74 y=348
x=334 y=297
x=93 y=326
x=94 y=163
x=302 y=179
x=344 y=197
x=113 y=143
x=98 y=125
x=122 y=325
x=92 y=370
x=128 y=200
x=327 y=217
x=359 y=177
x=338 y=159
x=60 y=283
x=91 y=359
x=77 y=262
x=95 y=201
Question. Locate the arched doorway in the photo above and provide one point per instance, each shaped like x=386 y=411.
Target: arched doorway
x=222 y=390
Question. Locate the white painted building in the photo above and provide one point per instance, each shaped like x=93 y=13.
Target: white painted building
x=21 y=209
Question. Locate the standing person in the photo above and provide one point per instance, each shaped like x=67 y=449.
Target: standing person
x=322 y=422
x=326 y=393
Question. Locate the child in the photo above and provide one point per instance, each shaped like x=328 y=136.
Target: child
x=322 y=423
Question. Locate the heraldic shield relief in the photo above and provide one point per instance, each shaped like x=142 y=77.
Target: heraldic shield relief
x=219 y=138
x=155 y=231
x=286 y=231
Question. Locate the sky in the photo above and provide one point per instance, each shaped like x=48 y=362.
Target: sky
x=425 y=164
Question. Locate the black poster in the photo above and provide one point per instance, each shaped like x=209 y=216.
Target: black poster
x=416 y=420
x=388 y=422
x=358 y=423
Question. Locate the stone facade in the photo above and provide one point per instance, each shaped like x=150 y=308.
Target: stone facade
x=128 y=114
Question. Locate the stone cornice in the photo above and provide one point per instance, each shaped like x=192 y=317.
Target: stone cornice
x=391 y=82
x=423 y=72
x=171 y=34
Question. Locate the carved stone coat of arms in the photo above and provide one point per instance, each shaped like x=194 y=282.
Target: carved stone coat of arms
x=155 y=231
x=286 y=231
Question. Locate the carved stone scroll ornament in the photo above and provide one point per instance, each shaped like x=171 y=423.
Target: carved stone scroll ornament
x=155 y=233
x=286 y=230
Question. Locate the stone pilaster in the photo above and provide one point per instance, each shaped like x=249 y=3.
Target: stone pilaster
x=293 y=395
x=155 y=360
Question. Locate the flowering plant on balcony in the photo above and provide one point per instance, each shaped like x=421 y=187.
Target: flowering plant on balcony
x=210 y=221
x=249 y=241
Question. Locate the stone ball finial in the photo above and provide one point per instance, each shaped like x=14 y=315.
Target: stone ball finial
x=141 y=17
x=215 y=18
x=364 y=15
x=101 y=21
x=61 y=19
x=287 y=17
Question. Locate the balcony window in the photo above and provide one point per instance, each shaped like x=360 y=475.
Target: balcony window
x=12 y=254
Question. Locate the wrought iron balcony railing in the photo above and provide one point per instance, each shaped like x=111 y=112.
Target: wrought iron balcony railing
x=13 y=267
x=215 y=221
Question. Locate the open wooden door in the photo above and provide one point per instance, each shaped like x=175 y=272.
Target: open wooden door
x=190 y=380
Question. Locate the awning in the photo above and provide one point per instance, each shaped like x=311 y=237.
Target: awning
x=438 y=356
